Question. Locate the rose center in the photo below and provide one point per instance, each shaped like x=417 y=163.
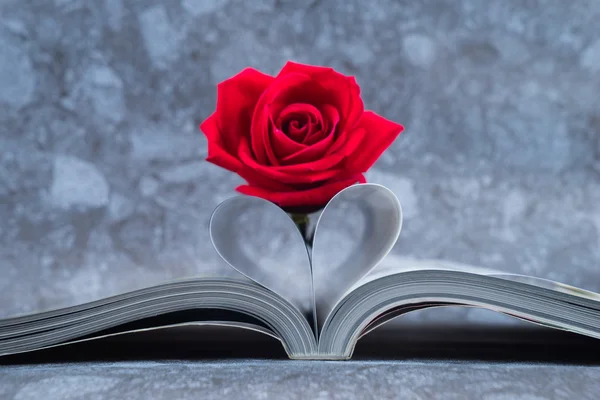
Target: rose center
x=295 y=123
x=299 y=121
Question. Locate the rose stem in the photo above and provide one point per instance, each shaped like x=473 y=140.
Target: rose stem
x=302 y=221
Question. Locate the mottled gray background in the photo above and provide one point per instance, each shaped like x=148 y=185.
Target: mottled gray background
x=103 y=187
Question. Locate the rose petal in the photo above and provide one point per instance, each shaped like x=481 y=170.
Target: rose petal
x=347 y=143
x=348 y=103
x=260 y=119
x=345 y=90
x=251 y=175
x=298 y=133
x=283 y=145
x=319 y=149
x=314 y=197
x=328 y=114
x=272 y=158
x=236 y=99
x=379 y=133
x=314 y=172
x=309 y=92
x=218 y=153
x=256 y=179
x=357 y=107
x=298 y=110
x=315 y=134
x=311 y=70
x=310 y=113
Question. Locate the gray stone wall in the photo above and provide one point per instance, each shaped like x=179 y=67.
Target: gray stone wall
x=103 y=187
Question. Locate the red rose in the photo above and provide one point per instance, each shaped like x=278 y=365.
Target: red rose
x=297 y=138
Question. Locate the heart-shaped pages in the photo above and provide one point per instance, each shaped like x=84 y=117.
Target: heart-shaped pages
x=354 y=232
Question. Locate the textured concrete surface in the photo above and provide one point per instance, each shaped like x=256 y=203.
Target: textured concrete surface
x=103 y=187
x=257 y=379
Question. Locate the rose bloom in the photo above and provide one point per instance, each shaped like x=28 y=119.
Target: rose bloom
x=297 y=138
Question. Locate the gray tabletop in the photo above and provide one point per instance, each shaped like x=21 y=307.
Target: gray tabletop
x=264 y=379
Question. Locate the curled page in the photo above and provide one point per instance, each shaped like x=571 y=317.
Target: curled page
x=355 y=231
x=259 y=240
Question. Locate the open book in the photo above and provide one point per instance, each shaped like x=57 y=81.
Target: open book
x=315 y=302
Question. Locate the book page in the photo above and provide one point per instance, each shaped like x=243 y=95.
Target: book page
x=356 y=230
x=549 y=284
x=394 y=265
x=242 y=231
